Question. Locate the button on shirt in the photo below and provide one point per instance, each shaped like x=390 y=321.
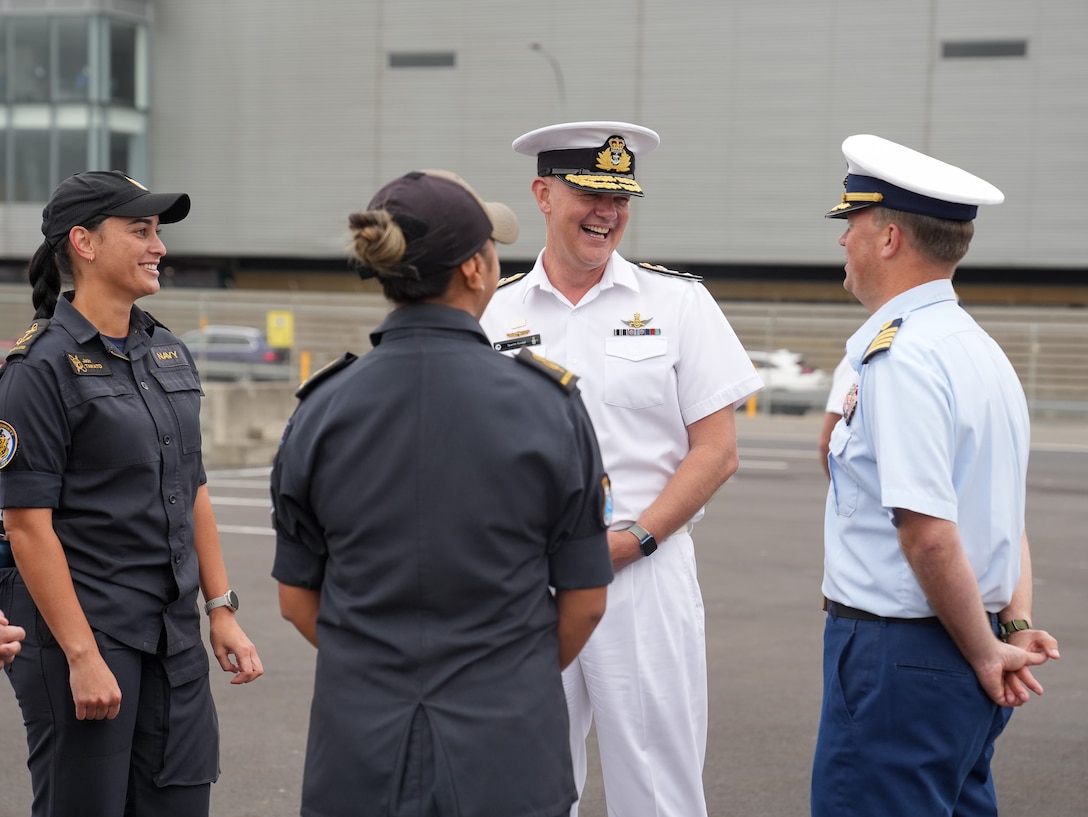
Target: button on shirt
x=111 y=442
x=940 y=428
x=642 y=389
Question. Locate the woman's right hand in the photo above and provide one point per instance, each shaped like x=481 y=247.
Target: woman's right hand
x=94 y=688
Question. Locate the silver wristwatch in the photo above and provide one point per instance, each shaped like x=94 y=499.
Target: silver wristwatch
x=228 y=599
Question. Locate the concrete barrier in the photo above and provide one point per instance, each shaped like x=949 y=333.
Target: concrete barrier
x=241 y=423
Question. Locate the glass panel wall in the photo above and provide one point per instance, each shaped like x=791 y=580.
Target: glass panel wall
x=73 y=97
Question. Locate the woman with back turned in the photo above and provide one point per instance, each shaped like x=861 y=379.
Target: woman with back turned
x=426 y=497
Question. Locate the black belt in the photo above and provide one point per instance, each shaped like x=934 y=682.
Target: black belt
x=842 y=611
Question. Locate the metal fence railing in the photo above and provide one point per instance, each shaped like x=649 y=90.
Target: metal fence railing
x=1048 y=346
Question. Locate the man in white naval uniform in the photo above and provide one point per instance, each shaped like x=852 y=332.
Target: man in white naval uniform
x=661 y=373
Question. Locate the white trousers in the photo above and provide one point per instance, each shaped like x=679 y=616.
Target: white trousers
x=641 y=678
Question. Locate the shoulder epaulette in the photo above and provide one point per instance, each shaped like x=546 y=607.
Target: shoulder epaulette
x=509 y=279
x=687 y=276
x=883 y=341
x=26 y=340
x=562 y=376
x=324 y=373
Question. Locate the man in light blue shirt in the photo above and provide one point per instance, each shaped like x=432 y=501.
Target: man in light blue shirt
x=927 y=572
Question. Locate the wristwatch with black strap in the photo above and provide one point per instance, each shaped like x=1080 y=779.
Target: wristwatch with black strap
x=647 y=544
x=228 y=599
x=1007 y=628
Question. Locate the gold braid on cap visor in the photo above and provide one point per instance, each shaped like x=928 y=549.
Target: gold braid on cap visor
x=596 y=182
x=850 y=198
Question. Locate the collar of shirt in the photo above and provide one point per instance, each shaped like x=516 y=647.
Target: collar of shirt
x=83 y=331
x=617 y=272
x=429 y=316
x=900 y=306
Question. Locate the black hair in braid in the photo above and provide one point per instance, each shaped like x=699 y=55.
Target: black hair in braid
x=49 y=268
x=45 y=279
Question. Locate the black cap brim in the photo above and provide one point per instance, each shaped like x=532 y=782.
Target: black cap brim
x=169 y=207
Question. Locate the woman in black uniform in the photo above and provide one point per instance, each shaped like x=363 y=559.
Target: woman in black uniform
x=426 y=497
x=109 y=520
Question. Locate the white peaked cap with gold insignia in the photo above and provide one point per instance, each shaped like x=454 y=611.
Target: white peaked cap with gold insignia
x=882 y=172
x=596 y=156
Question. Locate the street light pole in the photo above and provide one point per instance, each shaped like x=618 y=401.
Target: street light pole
x=560 y=87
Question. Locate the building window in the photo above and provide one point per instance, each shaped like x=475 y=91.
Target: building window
x=422 y=59
x=984 y=48
x=73 y=97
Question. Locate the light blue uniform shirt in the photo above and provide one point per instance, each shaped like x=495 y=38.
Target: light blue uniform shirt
x=940 y=428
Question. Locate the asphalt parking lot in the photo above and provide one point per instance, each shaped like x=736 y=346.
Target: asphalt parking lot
x=760 y=565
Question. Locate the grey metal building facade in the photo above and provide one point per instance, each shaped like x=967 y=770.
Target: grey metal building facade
x=281 y=116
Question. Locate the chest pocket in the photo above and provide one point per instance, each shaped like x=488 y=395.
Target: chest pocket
x=184 y=393
x=844 y=489
x=636 y=371
x=110 y=426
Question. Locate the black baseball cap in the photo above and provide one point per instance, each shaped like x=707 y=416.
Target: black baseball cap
x=82 y=196
x=443 y=219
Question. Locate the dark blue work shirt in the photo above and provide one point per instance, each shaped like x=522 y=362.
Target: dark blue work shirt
x=432 y=491
x=111 y=442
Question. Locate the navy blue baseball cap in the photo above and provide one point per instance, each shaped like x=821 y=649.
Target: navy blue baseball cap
x=84 y=196
x=444 y=221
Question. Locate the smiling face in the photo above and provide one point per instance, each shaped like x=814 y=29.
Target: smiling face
x=127 y=252
x=862 y=240
x=583 y=227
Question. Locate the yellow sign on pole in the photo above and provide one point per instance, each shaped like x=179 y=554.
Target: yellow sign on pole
x=280 y=329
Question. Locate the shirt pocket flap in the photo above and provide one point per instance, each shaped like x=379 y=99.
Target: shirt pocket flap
x=177 y=379
x=636 y=349
x=78 y=390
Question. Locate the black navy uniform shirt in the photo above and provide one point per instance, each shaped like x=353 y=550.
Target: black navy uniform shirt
x=111 y=442
x=433 y=490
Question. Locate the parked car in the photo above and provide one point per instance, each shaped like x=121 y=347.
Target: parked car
x=790 y=386
x=236 y=353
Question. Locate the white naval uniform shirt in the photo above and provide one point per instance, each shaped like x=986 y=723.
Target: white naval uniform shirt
x=641 y=390
x=940 y=428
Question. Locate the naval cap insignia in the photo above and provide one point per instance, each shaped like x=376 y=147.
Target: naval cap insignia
x=614 y=156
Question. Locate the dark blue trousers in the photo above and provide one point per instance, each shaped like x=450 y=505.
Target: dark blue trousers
x=905 y=728
x=158 y=757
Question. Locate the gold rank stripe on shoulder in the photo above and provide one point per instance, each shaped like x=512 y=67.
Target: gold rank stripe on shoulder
x=883 y=341
x=33 y=332
x=512 y=278
x=324 y=373
x=687 y=276
x=565 y=378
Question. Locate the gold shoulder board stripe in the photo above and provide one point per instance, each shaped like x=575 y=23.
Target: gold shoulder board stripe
x=512 y=278
x=688 y=276
x=566 y=379
x=324 y=373
x=33 y=332
x=883 y=341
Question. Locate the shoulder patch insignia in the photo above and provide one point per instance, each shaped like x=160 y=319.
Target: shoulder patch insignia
x=563 y=377
x=28 y=337
x=687 y=276
x=883 y=341
x=510 y=279
x=9 y=443
x=324 y=373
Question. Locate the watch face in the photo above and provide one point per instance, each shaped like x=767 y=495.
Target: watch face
x=232 y=599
